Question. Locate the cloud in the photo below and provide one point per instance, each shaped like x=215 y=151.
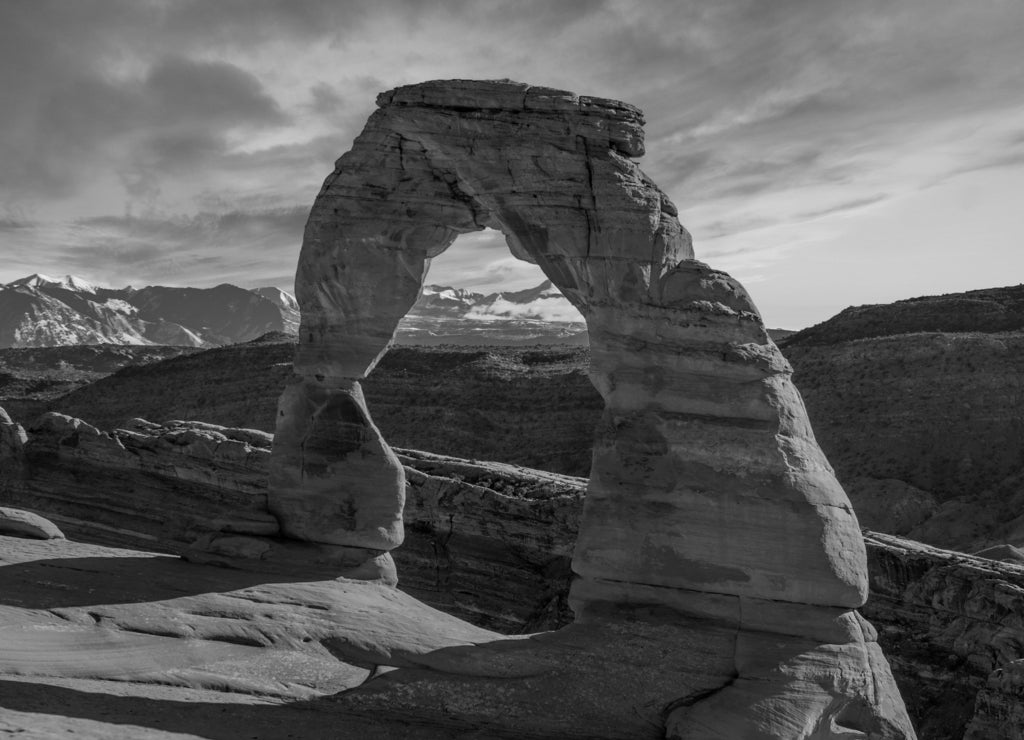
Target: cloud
x=852 y=205
x=177 y=115
x=200 y=250
x=8 y=223
x=555 y=308
x=185 y=90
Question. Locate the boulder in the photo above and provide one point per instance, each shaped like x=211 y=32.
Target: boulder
x=26 y=524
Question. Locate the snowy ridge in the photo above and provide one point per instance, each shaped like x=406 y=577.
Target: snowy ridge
x=68 y=282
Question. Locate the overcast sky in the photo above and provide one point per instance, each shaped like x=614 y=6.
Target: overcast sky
x=825 y=152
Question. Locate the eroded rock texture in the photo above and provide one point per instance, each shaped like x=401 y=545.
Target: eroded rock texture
x=708 y=499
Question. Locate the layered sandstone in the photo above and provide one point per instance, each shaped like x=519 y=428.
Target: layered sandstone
x=710 y=510
x=489 y=542
x=492 y=543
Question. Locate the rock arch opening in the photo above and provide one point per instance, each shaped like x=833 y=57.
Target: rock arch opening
x=477 y=293
x=481 y=379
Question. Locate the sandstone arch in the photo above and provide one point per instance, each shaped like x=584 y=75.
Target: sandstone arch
x=708 y=494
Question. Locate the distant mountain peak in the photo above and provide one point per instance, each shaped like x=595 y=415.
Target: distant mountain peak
x=40 y=310
x=68 y=282
x=280 y=298
x=43 y=311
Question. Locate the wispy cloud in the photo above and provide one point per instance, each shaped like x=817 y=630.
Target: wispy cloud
x=201 y=250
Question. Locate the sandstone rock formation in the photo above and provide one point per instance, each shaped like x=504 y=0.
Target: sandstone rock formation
x=492 y=543
x=197 y=489
x=720 y=565
x=709 y=499
x=104 y=643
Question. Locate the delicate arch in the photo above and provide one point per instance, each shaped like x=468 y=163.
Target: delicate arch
x=708 y=496
x=689 y=487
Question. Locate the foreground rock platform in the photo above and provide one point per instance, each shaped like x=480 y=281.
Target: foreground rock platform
x=142 y=633
x=101 y=642
x=492 y=543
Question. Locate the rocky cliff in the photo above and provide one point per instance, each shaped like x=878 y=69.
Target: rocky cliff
x=492 y=543
x=925 y=431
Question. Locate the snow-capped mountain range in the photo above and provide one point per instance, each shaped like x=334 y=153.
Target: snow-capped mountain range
x=538 y=315
x=43 y=311
x=541 y=303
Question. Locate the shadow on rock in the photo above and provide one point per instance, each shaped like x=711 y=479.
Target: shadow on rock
x=212 y=720
x=92 y=581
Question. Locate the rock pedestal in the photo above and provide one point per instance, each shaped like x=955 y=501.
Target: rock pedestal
x=709 y=501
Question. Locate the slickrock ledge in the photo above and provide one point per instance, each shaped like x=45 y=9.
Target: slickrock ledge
x=709 y=501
